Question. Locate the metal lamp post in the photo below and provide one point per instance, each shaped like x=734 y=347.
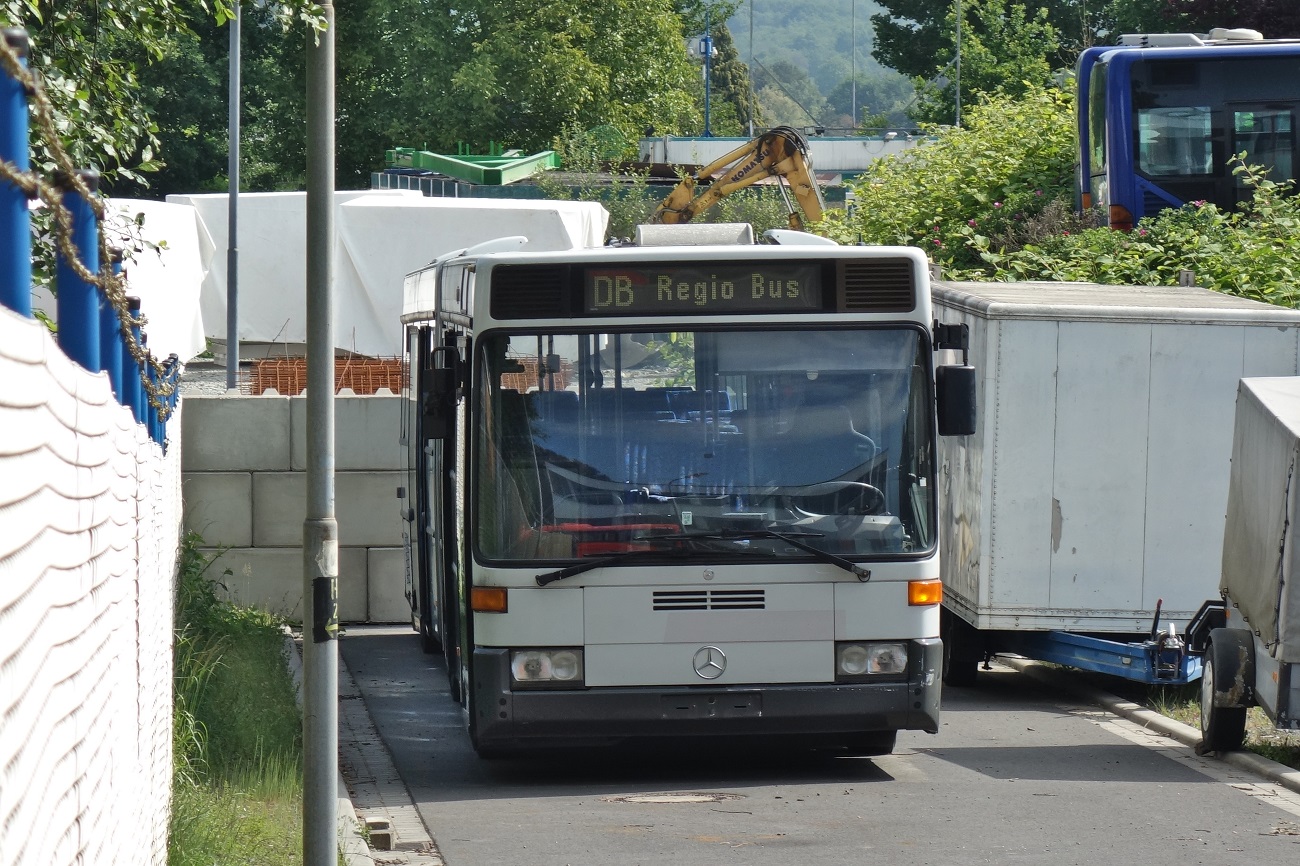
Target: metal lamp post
x=232 y=240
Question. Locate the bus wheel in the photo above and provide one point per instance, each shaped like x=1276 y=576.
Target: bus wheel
x=1227 y=678
x=961 y=658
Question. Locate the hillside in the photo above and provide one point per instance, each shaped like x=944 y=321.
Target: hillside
x=815 y=35
x=808 y=47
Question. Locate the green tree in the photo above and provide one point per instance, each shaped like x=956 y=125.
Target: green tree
x=1014 y=156
x=413 y=73
x=536 y=68
x=394 y=61
x=1003 y=46
x=787 y=95
x=1251 y=252
x=513 y=72
x=694 y=12
x=1276 y=19
x=89 y=54
x=92 y=56
x=187 y=89
x=883 y=98
x=731 y=87
x=911 y=34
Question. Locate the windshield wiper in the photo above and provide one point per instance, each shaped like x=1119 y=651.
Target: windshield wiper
x=675 y=551
x=588 y=564
x=790 y=538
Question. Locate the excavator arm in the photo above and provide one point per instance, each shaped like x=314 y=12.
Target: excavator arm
x=781 y=152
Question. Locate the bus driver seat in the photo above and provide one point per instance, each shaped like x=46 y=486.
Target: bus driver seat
x=822 y=446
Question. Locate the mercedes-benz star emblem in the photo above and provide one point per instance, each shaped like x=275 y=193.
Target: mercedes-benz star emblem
x=709 y=662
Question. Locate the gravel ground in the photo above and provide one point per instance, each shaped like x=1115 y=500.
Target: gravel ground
x=203 y=379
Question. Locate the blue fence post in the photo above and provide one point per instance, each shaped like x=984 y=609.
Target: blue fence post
x=15 y=222
x=148 y=393
x=110 y=335
x=173 y=378
x=78 y=300
x=131 y=368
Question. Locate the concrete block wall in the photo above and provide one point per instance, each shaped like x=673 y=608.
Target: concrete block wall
x=89 y=525
x=245 y=491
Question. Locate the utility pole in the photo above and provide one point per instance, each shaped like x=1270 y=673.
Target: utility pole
x=232 y=204
x=752 y=95
x=706 y=45
x=320 y=545
x=853 y=62
x=958 y=76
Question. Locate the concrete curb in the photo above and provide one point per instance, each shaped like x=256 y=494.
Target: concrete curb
x=1187 y=735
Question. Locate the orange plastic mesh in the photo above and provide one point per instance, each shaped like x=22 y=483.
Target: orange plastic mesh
x=288 y=376
x=527 y=378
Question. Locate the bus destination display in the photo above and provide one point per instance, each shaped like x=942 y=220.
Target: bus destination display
x=758 y=287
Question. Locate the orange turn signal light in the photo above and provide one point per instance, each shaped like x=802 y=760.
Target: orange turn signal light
x=921 y=592
x=488 y=599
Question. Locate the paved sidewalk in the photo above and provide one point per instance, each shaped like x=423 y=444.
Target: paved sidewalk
x=372 y=783
x=369 y=786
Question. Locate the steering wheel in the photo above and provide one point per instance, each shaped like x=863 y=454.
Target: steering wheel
x=875 y=504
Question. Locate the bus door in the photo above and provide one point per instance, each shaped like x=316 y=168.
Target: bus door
x=1266 y=132
x=441 y=425
x=420 y=544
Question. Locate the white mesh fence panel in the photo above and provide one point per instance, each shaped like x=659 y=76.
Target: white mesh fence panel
x=89 y=517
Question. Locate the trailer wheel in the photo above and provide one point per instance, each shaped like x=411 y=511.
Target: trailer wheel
x=1227 y=680
x=961 y=657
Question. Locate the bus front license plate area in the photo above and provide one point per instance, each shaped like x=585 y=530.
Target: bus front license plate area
x=712 y=706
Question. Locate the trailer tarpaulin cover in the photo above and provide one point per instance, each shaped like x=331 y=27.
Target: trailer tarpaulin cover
x=381 y=236
x=1261 y=559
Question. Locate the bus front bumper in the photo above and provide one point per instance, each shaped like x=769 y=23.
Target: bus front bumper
x=817 y=711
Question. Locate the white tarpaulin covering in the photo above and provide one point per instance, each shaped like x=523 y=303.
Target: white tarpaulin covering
x=381 y=237
x=164 y=270
x=1261 y=557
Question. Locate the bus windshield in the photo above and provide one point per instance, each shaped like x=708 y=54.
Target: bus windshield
x=590 y=444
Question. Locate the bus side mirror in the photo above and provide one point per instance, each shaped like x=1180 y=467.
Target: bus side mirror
x=438 y=383
x=955 y=395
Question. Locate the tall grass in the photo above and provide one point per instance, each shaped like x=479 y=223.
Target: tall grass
x=237 y=732
x=1183 y=704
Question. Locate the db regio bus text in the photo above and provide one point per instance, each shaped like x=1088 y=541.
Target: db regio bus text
x=680 y=491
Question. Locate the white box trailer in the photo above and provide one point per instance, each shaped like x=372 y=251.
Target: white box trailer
x=1091 y=496
x=1252 y=657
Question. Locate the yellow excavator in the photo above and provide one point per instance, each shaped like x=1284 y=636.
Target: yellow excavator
x=781 y=152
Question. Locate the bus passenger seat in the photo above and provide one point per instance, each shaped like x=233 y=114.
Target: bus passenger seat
x=821 y=447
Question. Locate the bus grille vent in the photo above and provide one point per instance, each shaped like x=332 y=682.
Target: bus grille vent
x=880 y=285
x=710 y=599
x=529 y=292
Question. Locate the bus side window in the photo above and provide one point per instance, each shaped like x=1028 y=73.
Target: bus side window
x=1175 y=141
x=1268 y=139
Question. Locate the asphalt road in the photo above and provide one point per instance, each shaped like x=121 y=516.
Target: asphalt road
x=1017 y=774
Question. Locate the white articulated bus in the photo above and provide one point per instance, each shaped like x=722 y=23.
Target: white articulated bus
x=680 y=490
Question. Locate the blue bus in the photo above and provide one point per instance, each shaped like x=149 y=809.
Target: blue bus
x=1160 y=115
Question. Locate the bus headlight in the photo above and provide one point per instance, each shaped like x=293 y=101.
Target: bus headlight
x=858 y=660
x=546 y=667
